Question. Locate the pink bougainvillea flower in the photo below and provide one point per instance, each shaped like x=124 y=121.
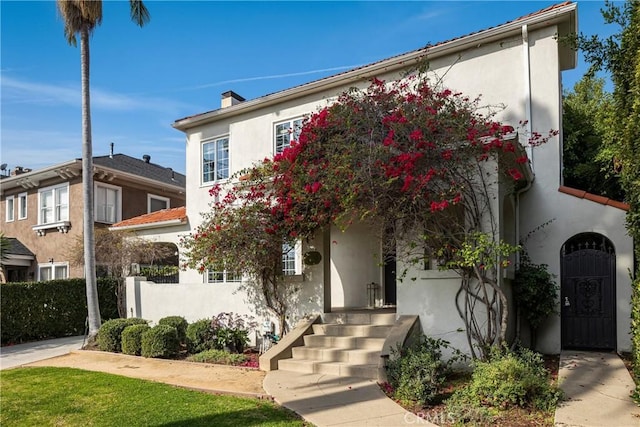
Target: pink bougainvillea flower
x=522 y=159
x=515 y=174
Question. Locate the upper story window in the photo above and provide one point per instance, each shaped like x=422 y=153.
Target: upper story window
x=156 y=203
x=53 y=204
x=286 y=132
x=215 y=160
x=108 y=203
x=10 y=206
x=22 y=206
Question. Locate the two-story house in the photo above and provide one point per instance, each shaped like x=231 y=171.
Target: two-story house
x=518 y=64
x=41 y=210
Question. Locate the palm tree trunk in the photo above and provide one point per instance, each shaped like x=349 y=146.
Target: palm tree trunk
x=93 y=307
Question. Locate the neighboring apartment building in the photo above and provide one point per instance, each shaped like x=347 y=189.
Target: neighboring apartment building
x=518 y=64
x=41 y=211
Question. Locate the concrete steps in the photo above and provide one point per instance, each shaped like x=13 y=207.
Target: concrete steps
x=344 y=344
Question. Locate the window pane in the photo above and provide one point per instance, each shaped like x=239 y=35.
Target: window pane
x=62 y=204
x=157 y=204
x=22 y=207
x=215 y=277
x=61 y=272
x=234 y=276
x=45 y=273
x=46 y=206
x=288 y=260
x=10 y=208
x=208 y=161
x=282 y=136
x=222 y=159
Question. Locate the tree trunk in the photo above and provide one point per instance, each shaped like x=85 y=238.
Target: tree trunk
x=93 y=307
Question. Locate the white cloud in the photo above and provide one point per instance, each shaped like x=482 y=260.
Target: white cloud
x=20 y=91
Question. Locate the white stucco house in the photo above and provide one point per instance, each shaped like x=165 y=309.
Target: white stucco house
x=518 y=64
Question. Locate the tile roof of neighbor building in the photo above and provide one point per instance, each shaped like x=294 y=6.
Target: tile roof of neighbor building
x=17 y=248
x=174 y=214
x=422 y=49
x=581 y=194
x=140 y=167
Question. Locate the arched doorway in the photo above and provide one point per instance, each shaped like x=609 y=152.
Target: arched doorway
x=588 y=266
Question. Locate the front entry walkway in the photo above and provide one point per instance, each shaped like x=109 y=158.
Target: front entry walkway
x=327 y=400
x=597 y=389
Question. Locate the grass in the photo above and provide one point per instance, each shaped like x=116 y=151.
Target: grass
x=73 y=397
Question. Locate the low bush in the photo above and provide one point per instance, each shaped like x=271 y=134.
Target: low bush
x=109 y=336
x=417 y=372
x=200 y=336
x=132 y=339
x=232 y=331
x=179 y=323
x=218 y=356
x=509 y=379
x=160 y=341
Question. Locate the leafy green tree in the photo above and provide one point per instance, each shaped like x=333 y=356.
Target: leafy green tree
x=81 y=17
x=587 y=115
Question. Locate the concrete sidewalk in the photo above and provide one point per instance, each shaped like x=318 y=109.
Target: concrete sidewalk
x=326 y=400
x=21 y=354
x=597 y=390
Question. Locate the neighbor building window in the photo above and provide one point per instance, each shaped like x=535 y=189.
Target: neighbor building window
x=54 y=204
x=156 y=203
x=10 y=205
x=53 y=271
x=223 y=276
x=108 y=202
x=22 y=206
x=286 y=132
x=215 y=160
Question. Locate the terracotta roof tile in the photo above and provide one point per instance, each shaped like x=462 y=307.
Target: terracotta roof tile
x=593 y=197
x=163 y=215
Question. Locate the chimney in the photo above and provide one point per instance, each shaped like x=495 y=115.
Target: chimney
x=111 y=151
x=230 y=98
x=146 y=158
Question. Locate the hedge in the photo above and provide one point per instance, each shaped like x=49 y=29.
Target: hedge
x=32 y=311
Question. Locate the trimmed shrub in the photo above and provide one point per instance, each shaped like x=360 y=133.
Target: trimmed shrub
x=31 y=311
x=218 y=356
x=132 y=339
x=160 y=341
x=200 y=336
x=109 y=336
x=508 y=379
x=179 y=323
x=417 y=372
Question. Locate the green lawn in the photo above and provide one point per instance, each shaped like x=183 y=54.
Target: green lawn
x=72 y=397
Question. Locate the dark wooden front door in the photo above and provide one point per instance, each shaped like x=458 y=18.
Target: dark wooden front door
x=588 y=296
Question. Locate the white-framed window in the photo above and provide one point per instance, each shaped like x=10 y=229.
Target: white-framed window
x=223 y=276
x=286 y=132
x=10 y=202
x=215 y=160
x=156 y=203
x=108 y=203
x=22 y=206
x=51 y=271
x=53 y=204
x=292 y=259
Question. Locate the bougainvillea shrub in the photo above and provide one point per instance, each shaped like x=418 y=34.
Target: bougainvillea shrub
x=416 y=160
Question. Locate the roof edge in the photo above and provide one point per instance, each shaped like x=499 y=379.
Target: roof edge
x=537 y=19
x=581 y=194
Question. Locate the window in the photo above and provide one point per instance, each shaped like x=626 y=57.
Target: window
x=107 y=203
x=10 y=202
x=287 y=132
x=52 y=271
x=156 y=203
x=22 y=206
x=292 y=259
x=223 y=276
x=215 y=160
x=54 y=204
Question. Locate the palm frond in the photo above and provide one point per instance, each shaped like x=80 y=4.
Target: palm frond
x=79 y=14
x=139 y=13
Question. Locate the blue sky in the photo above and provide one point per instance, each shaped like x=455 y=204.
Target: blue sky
x=143 y=79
